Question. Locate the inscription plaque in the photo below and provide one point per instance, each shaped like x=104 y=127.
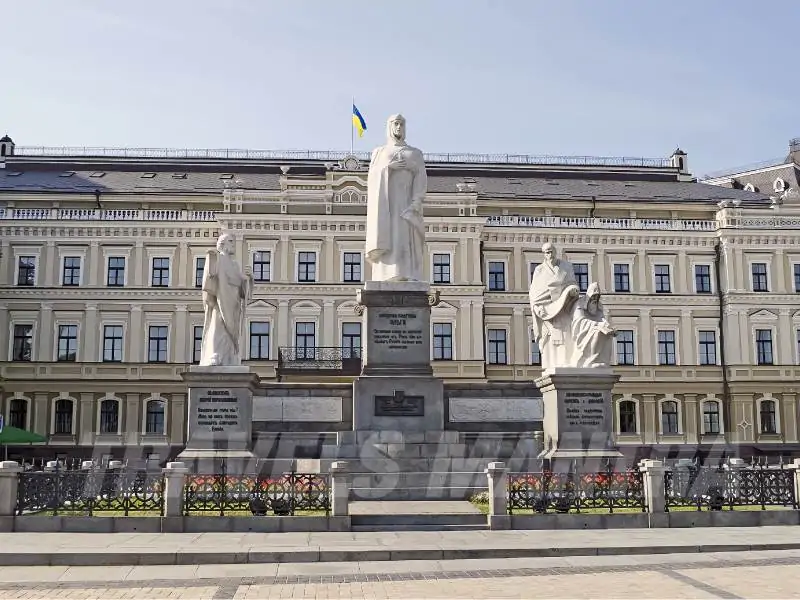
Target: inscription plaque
x=399 y=405
x=584 y=410
x=397 y=331
x=218 y=411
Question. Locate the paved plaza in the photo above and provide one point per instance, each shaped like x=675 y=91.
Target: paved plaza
x=765 y=574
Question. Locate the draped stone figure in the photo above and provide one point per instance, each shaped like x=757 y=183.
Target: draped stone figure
x=396 y=186
x=553 y=293
x=226 y=291
x=591 y=332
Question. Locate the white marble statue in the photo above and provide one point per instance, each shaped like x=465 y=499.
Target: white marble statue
x=226 y=291
x=553 y=293
x=396 y=187
x=592 y=334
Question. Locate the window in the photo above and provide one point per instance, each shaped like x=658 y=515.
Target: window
x=307 y=266
x=669 y=417
x=627 y=416
x=259 y=340
x=536 y=353
x=797 y=335
x=707 y=351
x=352 y=266
x=625 y=351
x=26 y=270
x=531 y=268
x=112 y=343
x=759 y=271
x=22 y=349
x=711 y=417
x=441 y=268
x=442 y=341
x=662 y=279
x=769 y=417
x=622 y=278
x=497 y=347
x=109 y=416
x=497 y=276
x=157 y=344
x=666 y=347
x=18 y=413
x=199 y=267
x=197 y=343
x=67 y=343
x=154 y=417
x=581 y=271
x=702 y=279
x=160 y=277
x=262 y=266
x=71 y=273
x=797 y=277
x=351 y=340
x=764 y=347
x=116 y=271
x=63 y=417
x=305 y=340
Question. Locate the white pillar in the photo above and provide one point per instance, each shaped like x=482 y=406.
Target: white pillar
x=174 y=475
x=498 y=495
x=137 y=336
x=654 y=490
x=645 y=346
x=90 y=335
x=328 y=333
x=94 y=273
x=181 y=335
x=9 y=480
x=340 y=489
x=283 y=332
x=44 y=349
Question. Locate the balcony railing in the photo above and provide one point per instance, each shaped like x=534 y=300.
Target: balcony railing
x=300 y=360
x=601 y=223
x=98 y=214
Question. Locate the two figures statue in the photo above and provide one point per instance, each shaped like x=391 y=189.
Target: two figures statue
x=571 y=330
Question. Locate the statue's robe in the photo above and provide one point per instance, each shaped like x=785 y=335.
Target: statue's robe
x=551 y=308
x=592 y=346
x=395 y=244
x=225 y=291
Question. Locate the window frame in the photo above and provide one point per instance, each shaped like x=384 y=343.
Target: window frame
x=54 y=415
x=496 y=352
x=314 y=264
x=103 y=327
x=765 y=275
x=58 y=338
x=153 y=270
x=165 y=416
x=359 y=264
x=442 y=280
x=124 y=269
x=29 y=281
x=260 y=337
x=348 y=348
x=444 y=349
x=64 y=267
x=627 y=275
x=198 y=273
x=583 y=278
x=702 y=345
x=10 y=412
x=677 y=413
x=635 y=405
x=489 y=275
x=695 y=267
x=149 y=339
x=306 y=355
x=13 y=339
x=707 y=424
x=775 y=416
x=256 y=265
x=757 y=345
x=658 y=278
x=674 y=343
x=197 y=348
x=632 y=342
x=116 y=402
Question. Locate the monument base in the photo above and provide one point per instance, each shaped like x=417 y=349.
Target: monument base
x=220 y=419
x=578 y=419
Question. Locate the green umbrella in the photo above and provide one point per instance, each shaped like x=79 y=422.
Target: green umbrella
x=11 y=436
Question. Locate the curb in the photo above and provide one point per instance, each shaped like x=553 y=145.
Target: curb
x=309 y=555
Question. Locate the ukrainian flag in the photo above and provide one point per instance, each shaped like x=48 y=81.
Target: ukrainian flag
x=358 y=122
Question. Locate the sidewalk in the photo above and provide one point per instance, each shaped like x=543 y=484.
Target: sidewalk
x=97 y=549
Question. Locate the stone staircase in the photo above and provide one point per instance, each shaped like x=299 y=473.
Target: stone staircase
x=440 y=515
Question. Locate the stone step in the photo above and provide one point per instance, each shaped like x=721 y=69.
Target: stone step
x=412 y=527
x=427 y=520
x=414 y=493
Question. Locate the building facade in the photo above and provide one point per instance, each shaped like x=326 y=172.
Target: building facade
x=102 y=252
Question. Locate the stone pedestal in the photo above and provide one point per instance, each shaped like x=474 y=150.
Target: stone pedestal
x=578 y=418
x=220 y=418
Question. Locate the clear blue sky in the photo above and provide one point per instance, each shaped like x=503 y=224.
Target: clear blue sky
x=598 y=77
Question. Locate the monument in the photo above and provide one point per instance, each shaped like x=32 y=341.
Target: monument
x=575 y=340
x=219 y=424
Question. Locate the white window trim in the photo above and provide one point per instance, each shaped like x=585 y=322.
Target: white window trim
x=157 y=322
x=632 y=329
x=190 y=349
x=509 y=345
x=144 y=416
x=98 y=410
x=37 y=262
x=453 y=340
x=150 y=259
x=778 y=424
x=673 y=326
x=270 y=350
x=271 y=248
x=118 y=253
x=305 y=318
x=617 y=407
x=661 y=259
x=195 y=258
x=710 y=265
x=766 y=260
x=63 y=255
x=111 y=322
x=697 y=329
x=720 y=404
x=28 y=408
x=670 y=398
x=797 y=344
x=506 y=278
x=342 y=252
x=794 y=265
x=34 y=332
x=530 y=355
x=584 y=259
x=63 y=396
x=297 y=252
x=78 y=346
x=631 y=287
x=450 y=260
x=776 y=358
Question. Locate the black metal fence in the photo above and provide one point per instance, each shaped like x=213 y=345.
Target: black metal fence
x=717 y=488
x=223 y=494
x=605 y=491
x=90 y=492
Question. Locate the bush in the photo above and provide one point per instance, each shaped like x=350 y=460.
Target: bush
x=480 y=498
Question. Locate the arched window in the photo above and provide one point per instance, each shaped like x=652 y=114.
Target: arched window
x=711 y=417
x=627 y=416
x=769 y=417
x=669 y=417
x=18 y=413
x=63 y=417
x=109 y=416
x=154 y=417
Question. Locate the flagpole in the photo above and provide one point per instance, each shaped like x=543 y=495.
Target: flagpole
x=352 y=126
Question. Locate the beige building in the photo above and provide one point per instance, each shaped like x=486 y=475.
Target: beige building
x=102 y=252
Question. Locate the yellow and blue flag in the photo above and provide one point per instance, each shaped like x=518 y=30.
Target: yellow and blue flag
x=358 y=122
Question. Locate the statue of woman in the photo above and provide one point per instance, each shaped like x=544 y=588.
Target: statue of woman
x=226 y=291
x=396 y=186
x=592 y=334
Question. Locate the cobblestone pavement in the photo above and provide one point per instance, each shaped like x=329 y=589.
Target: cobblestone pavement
x=772 y=574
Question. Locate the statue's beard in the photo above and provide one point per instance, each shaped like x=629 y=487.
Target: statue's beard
x=396 y=137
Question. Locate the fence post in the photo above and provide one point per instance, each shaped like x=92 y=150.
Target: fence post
x=340 y=489
x=653 y=472
x=9 y=480
x=174 y=475
x=796 y=466
x=497 y=475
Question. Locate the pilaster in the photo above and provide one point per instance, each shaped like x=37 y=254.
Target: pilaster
x=181 y=335
x=137 y=336
x=6 y=269
x=605 y=287
x=283 y=323
x=93 y=273
x=786 y=338
x=44 y=349
x=645 y=346
x=90 y=335
x=183 y=267
x=132 y=423
x=682 y=279
x=649 y=418
x=779 y=274
x=464 y=331
x=643 y=283
x=137 y=265
x=691 y=418
x=329 y=337
x=85 y=421
x=176 y=421
x=41 y=414
x=745 y=339
x=520 y=337
x=48 y=263
x=687 y=356
x=477 y=339
x=5 y=332
x=328 y=262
